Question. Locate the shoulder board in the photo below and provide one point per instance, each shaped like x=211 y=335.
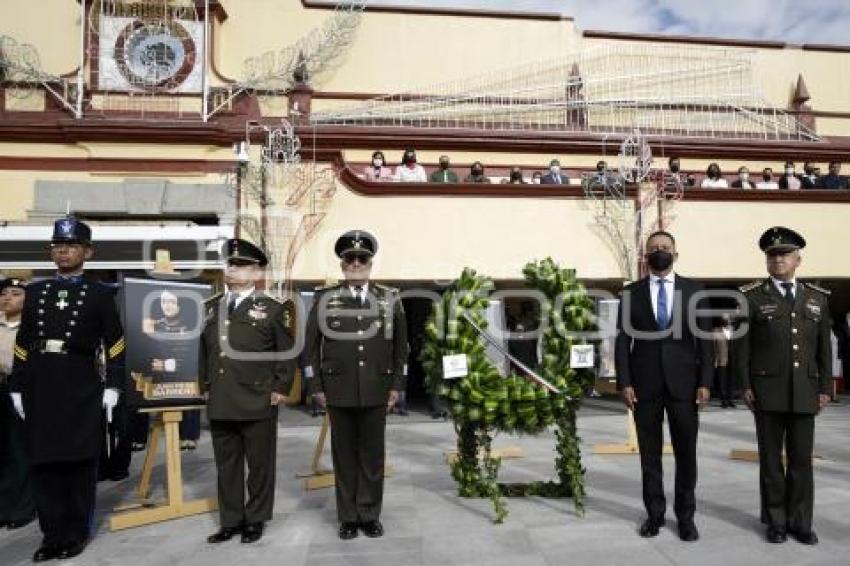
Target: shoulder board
x=214 y=297
x=322 y=288
x=386 y=288
x=750 y=286
x=279 y=300
x=816 y=288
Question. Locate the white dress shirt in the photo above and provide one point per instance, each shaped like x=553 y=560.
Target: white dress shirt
x=364 y=292
x=240 y=296
x=669 y=287
x=781 y=289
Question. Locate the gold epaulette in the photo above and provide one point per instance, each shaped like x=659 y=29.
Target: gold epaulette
x=386 y=288
x=816 y=288
x=750 y=286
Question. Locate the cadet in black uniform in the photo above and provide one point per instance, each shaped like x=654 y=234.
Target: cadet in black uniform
x=58 y=391
x=17 y=504
x=784 y=363
x=243 y=394
x=357 y=351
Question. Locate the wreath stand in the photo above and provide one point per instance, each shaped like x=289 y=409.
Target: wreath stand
x=630 y=447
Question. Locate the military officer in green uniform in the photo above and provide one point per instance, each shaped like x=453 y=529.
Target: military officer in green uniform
x=246 y=368
x=356 y=342
x=784 y=362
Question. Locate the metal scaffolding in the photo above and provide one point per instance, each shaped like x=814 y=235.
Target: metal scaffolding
x=614 y=89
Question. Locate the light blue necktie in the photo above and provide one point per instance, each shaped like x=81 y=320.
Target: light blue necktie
x=662 y=317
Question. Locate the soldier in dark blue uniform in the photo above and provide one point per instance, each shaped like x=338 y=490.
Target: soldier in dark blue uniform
x=57 y=390
x=784 y=362
x=356 y=342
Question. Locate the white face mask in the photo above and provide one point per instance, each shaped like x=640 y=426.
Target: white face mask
x=744 y=176
x=789 y=170
x=377 y=162
x=555 y=169
x=535 y=181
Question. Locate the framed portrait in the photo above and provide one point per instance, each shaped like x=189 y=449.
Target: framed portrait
x=163 y=321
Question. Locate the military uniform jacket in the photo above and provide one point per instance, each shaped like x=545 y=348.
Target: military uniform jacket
x=356 y=353
x=61 y=386
x=785 y=357
x=239 y=389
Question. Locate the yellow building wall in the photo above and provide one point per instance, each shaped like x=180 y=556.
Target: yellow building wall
x=435 y=238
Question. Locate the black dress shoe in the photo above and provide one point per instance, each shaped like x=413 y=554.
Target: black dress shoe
x=71 y=550
x=688 y=532
x=224 y=534
x=45 y=552
x=12 y=525
x=776 y=535
x=650 y=528
x=347 y=531
x=252 y=533
x=806 y=538
x=372 y=529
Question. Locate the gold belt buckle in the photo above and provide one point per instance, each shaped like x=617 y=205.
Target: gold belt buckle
x=54 y=346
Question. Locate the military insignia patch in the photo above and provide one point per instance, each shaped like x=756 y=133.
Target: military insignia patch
x=257 y=313
x=768 y=309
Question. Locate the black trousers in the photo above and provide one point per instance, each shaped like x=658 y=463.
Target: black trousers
x=787 y=491
x=65 y=497
x=357 y=446
x=236 y=443
x=683 y=422
x=17 y=502
x=724 y=382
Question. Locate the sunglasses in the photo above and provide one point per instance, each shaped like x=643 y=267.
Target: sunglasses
x=362 y=259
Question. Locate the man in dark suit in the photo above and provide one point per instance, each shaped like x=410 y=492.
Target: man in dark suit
x=554 y=176
x=246 y=367
x=664 y=363
x=357 y=350
x=58 y=391
x=784 y=362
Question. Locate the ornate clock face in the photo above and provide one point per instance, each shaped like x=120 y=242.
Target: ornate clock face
x=155 y=56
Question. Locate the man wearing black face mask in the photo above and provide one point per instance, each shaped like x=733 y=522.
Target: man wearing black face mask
x=664 y=363
x=476 y=174
x=810 y=179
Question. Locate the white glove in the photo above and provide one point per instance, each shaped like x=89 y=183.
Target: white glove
x=18 y=402
x=110 y=399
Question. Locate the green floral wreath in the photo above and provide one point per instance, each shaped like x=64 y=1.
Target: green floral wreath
x=484 y=402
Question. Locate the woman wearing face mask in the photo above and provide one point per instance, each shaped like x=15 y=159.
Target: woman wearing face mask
x=714 y=178
x=743 y=180
x=476 y=174
x=516 y=177
x=378 y=170
x=409 y=171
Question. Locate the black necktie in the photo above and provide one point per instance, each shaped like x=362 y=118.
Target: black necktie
x=231 y=304
x=789 y=295
x=358 y=292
